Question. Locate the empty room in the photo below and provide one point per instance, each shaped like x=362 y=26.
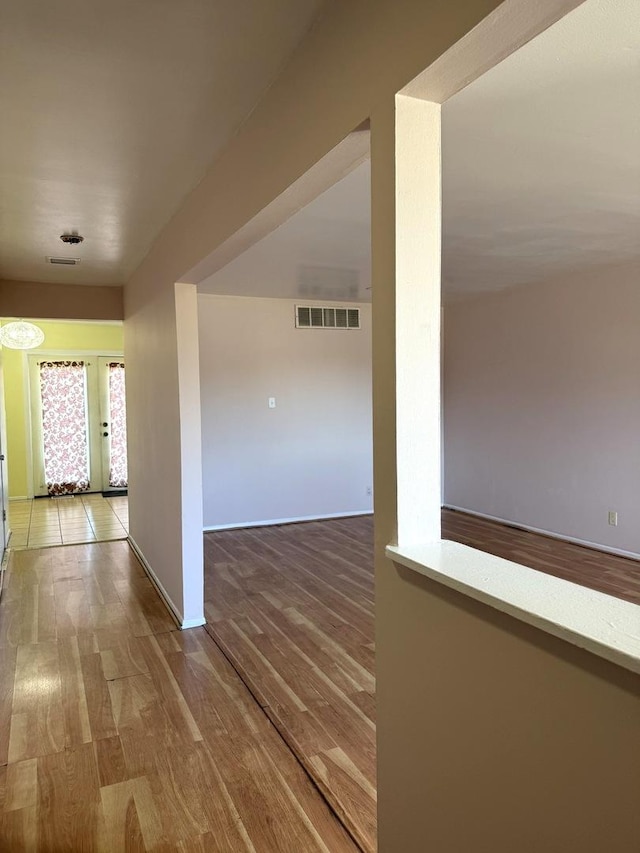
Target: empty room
x=375 y=266
x=540 y=265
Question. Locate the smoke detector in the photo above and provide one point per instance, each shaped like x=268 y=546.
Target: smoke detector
x=73 y=239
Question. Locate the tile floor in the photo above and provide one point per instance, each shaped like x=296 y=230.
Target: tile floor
x=67 y=520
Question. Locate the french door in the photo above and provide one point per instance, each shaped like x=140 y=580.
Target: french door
x=78 y=419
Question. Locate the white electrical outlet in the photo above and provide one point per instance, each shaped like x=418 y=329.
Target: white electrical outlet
x=613 y=518
x=272 y=402
x=369 y=490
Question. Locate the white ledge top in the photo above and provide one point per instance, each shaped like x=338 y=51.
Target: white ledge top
x=601 y=624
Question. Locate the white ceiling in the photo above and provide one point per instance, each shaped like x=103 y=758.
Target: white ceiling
x=112 y=112
x=541 y=155
x=321 y=252
x=541 y=174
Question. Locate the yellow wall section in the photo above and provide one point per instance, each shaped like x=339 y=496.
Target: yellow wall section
x=59 y=337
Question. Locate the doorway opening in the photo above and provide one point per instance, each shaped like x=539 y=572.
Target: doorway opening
x=66 y=443
x=285 y=385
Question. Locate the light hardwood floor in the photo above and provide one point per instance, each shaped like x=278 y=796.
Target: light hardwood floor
x=118 y=732
x=292 y=608
x=617 y=576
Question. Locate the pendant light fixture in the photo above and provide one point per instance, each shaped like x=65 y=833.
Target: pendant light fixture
x=21 y=335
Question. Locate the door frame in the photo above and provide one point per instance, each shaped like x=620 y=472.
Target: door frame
x=4 y=490
x=105 y=416
x=33 y=419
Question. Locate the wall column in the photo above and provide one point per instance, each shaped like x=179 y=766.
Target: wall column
x=417 y=298
x=190 y=454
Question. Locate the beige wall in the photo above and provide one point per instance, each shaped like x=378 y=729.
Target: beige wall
x=457 y=734
x=333 y=82
x=311 y=455
x=494 y=737
x=60 y=301
x=541 y=405
x=153 y=432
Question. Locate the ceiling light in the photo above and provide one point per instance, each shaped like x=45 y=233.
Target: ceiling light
x=21 y=335
x=74 y=238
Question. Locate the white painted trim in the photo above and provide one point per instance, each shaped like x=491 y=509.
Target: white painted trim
x=3 y=565
x=599 y=623
x=80 y=322
x=28 y=426
x=502 y=32
x=192 y=623
x=164 y=595
x=57 y=353
x=273 y=521
x=584 y=542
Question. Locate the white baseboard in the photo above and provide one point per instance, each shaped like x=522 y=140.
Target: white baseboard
x=584 y=542
x=273 y=521
x=3 y=567
x=177 y=616
x=192 y=623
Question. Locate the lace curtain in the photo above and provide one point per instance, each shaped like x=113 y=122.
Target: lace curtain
x=118 y=427
x=64 y=426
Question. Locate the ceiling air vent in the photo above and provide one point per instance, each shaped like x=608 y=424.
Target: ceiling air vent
x=67 y=262
x=319 y=317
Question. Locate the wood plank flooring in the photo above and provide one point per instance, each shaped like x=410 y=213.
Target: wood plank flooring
x=617 y=576
x=292 y=608
x=118 y=732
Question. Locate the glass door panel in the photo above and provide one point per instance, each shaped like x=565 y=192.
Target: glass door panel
x=78 y=424
x=114 y=423
x=64 y=424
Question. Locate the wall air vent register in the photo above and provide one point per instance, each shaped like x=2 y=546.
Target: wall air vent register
x=319 y=317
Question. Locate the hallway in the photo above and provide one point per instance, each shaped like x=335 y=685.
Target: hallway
x=118 y=731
